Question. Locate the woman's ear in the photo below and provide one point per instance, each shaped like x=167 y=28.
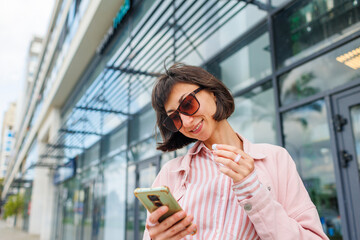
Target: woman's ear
x=213 y=95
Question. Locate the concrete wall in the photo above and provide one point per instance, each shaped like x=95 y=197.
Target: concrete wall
x=38 y=200
x=43 y=192
x=47 y=214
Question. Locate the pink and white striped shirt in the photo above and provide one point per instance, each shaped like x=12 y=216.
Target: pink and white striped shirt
x=213 y=200
x=280 y=208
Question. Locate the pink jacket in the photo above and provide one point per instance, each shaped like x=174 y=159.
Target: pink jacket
x=282 y=209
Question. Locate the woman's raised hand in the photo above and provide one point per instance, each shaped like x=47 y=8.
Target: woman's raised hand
x=174 y=227
x=235 y=162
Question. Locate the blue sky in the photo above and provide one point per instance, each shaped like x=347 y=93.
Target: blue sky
x=20 y=20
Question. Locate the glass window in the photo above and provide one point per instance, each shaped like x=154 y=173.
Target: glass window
x=254 y=115
x=117 y=140
x=32 y=156
x=115 y=199
x=276 y=3
x=205 y=45
x=88 y=210
x=147 y=123
x=89 y=174
x=143 y=150
x=142 y=126
x=307 y=138
x=130 y=207
x=71 y=14
x=92 y=154
x=355 y=121
x=167 y=156
x=141 y=95
x=246 y=65
x=72 y=210
x=308 y=26
x=146 y=178
x=333 y=69
x=27 y=206
x=98 y=206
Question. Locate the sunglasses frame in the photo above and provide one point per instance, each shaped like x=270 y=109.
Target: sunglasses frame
x=177 y=111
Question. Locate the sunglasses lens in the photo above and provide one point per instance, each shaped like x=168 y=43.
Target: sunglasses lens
x=173 y=122
x=189 y=105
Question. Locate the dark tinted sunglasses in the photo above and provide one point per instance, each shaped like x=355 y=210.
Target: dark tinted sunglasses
x=188 y=106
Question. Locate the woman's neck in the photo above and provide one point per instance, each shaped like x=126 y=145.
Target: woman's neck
x=224 y=134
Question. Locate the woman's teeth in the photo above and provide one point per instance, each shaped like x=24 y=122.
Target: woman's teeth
x=197 y=127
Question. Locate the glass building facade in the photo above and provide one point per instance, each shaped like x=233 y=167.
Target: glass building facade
x=292 y=67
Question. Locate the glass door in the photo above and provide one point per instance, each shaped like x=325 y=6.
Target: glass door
x=68 y=201
x=90 y=197
x=346 y=119
x=130 y=202
x=114 y=200
x=98 y=209
x=140 y=174
x=147 y=172
x=307 y=138
x=58 y=213
x=87 y=220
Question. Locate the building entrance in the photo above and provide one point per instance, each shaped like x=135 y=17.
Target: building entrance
x=346 y=119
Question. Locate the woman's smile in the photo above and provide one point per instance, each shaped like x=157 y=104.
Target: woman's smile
x=198 y=127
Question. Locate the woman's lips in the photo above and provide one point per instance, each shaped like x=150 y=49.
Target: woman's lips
x=198 y=128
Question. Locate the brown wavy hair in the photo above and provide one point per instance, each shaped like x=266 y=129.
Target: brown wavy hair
x=193 y=75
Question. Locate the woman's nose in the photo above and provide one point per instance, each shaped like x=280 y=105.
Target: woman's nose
x=186 y=120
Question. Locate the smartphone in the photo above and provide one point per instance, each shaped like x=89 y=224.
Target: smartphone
x=153 y=198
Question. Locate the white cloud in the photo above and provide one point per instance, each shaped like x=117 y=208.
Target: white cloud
x=20 y=20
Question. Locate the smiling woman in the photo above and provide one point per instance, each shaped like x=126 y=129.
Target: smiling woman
x=227 y=187
x=177 y=79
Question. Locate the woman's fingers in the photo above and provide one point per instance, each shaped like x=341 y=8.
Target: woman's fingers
x=171 y=226
x=179 y=229
x=228 y=163
x=232 y=149
x=236 y=163
x=167 y=223
x=154 y=216
x=152 y=224
x=236 y=171
x=225 y=154
x=230 y=173
x=191 y=230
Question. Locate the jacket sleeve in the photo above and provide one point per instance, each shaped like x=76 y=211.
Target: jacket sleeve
x=294 y=217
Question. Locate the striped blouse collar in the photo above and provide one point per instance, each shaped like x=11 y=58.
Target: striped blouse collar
x=196 y=148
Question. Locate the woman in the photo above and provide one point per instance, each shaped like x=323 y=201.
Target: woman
x=228 y=187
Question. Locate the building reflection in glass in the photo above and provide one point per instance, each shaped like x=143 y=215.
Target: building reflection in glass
x=309 y=145
x=254 y=115
x=317 y=76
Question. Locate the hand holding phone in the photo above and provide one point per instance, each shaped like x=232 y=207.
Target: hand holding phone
x=153 y=198
x=171 y=215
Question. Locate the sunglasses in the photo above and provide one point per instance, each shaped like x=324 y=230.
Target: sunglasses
x=188 y=106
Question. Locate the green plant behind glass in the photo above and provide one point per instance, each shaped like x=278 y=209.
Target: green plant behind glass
x=14 y=205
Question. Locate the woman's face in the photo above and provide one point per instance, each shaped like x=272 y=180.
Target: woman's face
x=201 y=125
